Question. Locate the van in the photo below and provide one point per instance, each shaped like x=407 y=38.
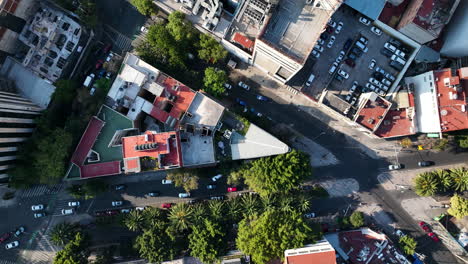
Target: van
x=361 y=46
x=88 y=80
x=398 y=59
x=310 y=80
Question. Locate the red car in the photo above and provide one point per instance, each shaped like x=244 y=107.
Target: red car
x=232 y=189
x=166 y=205
x=425 y=226
x=433 y=237
x=99 y=64
x=107 y=48
x=330 y=29
x=350 y=62
x=4 y=237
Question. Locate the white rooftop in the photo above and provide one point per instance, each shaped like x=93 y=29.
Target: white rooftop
x=427 y=110
x=204 y=111
x=255 y=144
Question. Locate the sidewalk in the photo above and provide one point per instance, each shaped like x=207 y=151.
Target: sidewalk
x=375 y=148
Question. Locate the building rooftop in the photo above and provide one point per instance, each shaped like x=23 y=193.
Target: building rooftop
x=365 y=246
x=295 y=26
x=452 y=99
x=369 y=8
x=256 y=143
x=203 y=111
x=321 y=252
x=391 y=14
x=371 y=111
x=433 y=15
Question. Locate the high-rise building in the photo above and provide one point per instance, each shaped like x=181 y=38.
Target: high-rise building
x=17 y=116
x=455 y=40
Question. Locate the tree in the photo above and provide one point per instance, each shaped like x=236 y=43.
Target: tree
x=162 y=43
x=180 y=29
x=134 y=220
x=207 y=241
x=458 y=206
x=408 y=244
x=184 y=179
x=278 y=174
x=406 y=142
x=87 y=12
x=74 y=252
x=460 y=179
x=50 y=158
x=94 y=187
x=302 y=203
x=180 y=216
x=214 y=81
x=250 y=204
x=153 y=216
x=357 y=219
x=426 y=184
x=156 y=244
x=462 y=141
x=145 y=7
x=63 y=233
x=445 y=179
x=210 y=50
x=267 y=236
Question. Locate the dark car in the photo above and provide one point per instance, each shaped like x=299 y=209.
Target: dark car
x=154 y=194
x=330 y=29
x=386 y=52
x=396 y=65
x=352 y=56
x=99 y=64
x=107 y=48
x=377 y=75
x=112 y=212
x=339 y=78
x=239 y=101
x=347 y=44
x=425 y=163
x=120 y=187
x=4 y=237
x=324 y=36
x=405 y=49
x=100 y=213
x=357 y=51
x=350 y=62
x=395 y=42
x=263 y=98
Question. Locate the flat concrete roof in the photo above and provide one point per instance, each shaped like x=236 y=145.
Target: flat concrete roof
x=369 y=8
x=295 y=26
x=205 y=111
x=196 y=149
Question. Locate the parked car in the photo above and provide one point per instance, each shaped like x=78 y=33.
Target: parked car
x=217 y=197
x=339 y=28
x=343 y=73
x=309 y=215
x=390 y=47
x=395 y=42
x=390 y=77
x=350 y=63
x=357 y=51
x=166 y=205
x=324 y=36
x=425 y=163
x=320 y=41
x=239 y=101
x=144 y=29
x=117 y=203
x=376 y=31
x=108 y=75
x=263 y=98
x=184 y=195
x=120 y=187
x=394 y=166
x=372 y=64
x=380 y=70
x=154 y=194
x=364 y=40
x=232 y=189
x=396 y=65
x=364 y=20
x=340 y=56
x=5 y=237
x=37 y=207
x=140 y=208
x=386 y=52
x=12 y=245
x=339 y=78
x=400 y=53
x=19 y=231
x=347 y=44
x=333 y=67
x=217 y=177
x=434 y=237
x=109 y=57
x=424 y=226
x=74 y=204
x=211 y=186
x=99 y=64
x=370 y=87
x=244 y=85
x=125 y=211
x=331 y=23
x=166 y=181
x=386 y=82
x=330 y=43
x=228 y=86
x=255 y=112
x=39 y=215
x=107 y=48
x=315 y=53
x=318 y=48
x=67 y=211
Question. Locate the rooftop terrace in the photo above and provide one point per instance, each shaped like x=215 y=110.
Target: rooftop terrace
x=432 y=15
x=372 y=112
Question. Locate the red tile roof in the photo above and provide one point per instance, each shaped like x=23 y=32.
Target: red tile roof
x=100 y=169
x=183 y=98
x=243 y=41
x=131 y=164
x=452 y=102
x=328 y=257
x=372 y=113
x=391 y=14
x=398 y=122
x=87 y=141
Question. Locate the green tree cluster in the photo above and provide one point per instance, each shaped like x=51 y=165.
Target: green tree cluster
x=214 y=81
x=183 y=178
x=207 y=241
x=408 y=244
x=458 y=206
x=62 y=233
x=357 y=219
x=145 y=7
x=75 y=252
x=89 y=190
x=431 y=183
x=87 y=12
x=210 y=50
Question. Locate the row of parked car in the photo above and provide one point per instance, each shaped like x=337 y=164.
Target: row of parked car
x=325 y=39
x=4 y=237
x=397 y=52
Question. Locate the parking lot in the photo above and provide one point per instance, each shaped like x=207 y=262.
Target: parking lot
x=354 y=66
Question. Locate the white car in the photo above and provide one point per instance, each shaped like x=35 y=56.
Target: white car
x=211 y=187
x=333 y=67
x=378 y=69
x=39 y=215
x=353 y=88
x=353 y=101
x=372 y=64
x=144 y=29
x=74 y=204
x=390 y=77
x=228 y=86
x=217 y=177
x=340 y=56
x=339 y=28
x=320 y=41
x=376 y=31
x=318 y=48
x=309 y=215
x=343 y=74
x=330 y=43
x=394 y=166
x=315 y=53
x=381 y=93
x=37 y=207
x=390 y=47
x=375 y=82
x=111 y=55
x=67 y=211
x=364 y=40
x=386 y=82
x=400 y=53
x=364 y=20
x=117 y=203
x=370 y=87
x=184 y=195
x=385 y=88
x=166 y=181
x=125 y=211
x=12 y=245
x=244 y=86
x=331 y=23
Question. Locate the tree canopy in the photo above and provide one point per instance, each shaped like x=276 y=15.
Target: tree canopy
x=183 y=178
x=357 y=219
x=458 y=206
x=74 y=252
x=63 y=233
x=214 y=81
x=180 y=28
x=207 y=241
x=210 y=50
x=267 y=236
x=156 y=244
x=145 y=7
x=278 y=174
x=426 y=184
x=408 y=244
